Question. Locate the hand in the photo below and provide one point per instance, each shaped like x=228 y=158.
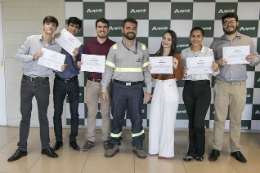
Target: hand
x=174 y=63
x=185 y=69
x=222 y=62
x=149 y=67
x=79 y=63
x=63 y=67
x=214 y=66
x=37 y=55
x=75 y=53
x=250 y=58
x=57 y=35
x=105 y=96
x=147 y=97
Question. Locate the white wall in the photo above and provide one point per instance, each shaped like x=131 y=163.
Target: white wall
x=23 y=18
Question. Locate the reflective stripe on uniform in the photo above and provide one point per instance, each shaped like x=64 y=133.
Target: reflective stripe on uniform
x=115 y=46
x=128 y=69
x=145 y=64
x=115 y=135
x=110 y=64
x=138 y=134
x=143 y=46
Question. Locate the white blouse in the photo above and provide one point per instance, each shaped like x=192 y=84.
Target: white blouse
x=204 y=52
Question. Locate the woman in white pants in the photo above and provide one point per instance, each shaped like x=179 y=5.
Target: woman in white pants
x=165 y=101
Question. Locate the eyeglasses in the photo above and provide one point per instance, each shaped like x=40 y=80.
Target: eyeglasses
x=229 y=22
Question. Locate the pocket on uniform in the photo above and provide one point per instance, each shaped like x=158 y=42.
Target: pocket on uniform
x=45 y=83
x=170 y=95
x=24 y=81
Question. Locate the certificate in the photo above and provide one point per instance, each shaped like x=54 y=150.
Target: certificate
x=51 y=59
x=68 y=42
x=161 y=65
x=93 y=63
x=199 y=65
x=236 y=54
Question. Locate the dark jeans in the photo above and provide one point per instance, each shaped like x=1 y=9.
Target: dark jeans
x=41 y=90
x=123 y=97
x=196 y=97
x=60 y=89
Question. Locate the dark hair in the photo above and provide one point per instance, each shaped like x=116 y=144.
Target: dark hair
x=173 y=50
x=129 y=19
x=49 y=19
x=103 y=20
x=230 y=15
x=75 y=21
x=197 y=28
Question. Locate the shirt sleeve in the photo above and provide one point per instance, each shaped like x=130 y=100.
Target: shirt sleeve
x=212 y=46
x=109 y=70
x=147 y=74
x=214 y=73
x=22 y=54
x=78 y=58
x=183 y=57
x=254 y=52
x=178 y=73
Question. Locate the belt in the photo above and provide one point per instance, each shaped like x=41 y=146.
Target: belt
x=35 y=78
x=128 y=83
x=94 y=80
x=66 y=80
x=197 y=82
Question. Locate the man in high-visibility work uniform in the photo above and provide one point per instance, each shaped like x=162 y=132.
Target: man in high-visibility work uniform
x=126 y=64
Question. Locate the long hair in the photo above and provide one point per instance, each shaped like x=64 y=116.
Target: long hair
x=173 y=50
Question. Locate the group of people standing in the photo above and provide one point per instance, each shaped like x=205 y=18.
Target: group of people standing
x=121 y=87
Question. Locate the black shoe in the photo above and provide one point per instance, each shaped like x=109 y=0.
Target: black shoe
x=49 y=152
x=107 y=145
x=88 y=145
x=74 y=145
x=213 y=156
x=57 y=145
x=239 y=156
x=17 y=155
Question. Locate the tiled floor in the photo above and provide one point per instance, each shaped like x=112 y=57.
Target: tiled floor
x=125 y=161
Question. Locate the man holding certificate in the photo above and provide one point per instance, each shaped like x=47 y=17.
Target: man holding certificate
x=35 y=82
x=66 y=82
x=230 y=87
x=126 y=64
x=96 y=47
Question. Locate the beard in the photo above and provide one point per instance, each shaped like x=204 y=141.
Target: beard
x=128 y=37
x=230 y=32
x=100 y=36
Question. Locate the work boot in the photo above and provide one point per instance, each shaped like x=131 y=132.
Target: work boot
x=138 y=150
x=107 y=145
x=112 y=152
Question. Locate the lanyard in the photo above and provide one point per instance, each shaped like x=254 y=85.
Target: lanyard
x=135 y=52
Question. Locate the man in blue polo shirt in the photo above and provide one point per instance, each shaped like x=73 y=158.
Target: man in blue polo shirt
x=67 y=83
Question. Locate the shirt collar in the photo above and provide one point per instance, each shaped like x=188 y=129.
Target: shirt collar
x=105 y=42
x=203 y=49
x=225 y=38
x=134 y=42
x=52 y=40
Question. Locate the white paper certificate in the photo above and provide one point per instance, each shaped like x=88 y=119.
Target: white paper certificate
x=161 y=65
x=67 y=41
x=199 y=65
x=236 y=54
x=51 y=59
x=93 y=63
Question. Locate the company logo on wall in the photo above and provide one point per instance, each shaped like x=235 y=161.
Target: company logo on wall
x=115 y=27
x=256 y=112
x=182 y=43
x=257 y=80
x=181 y=112
x=138 y=10
x=182 y=10
x=206 y=25
x=248 y=27
x=158 y=27
x=93 y=10
x=223 y=8
x=245 y=124
x=249 y=95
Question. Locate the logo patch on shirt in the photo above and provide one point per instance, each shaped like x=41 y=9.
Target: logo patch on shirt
x=139 y=60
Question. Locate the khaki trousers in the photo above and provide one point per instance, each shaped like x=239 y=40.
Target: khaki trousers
x=93 y=94
x=234 y=96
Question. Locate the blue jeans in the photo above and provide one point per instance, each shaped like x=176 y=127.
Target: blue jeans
x=60 y=89
x=127 y=97
x=41 y=90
